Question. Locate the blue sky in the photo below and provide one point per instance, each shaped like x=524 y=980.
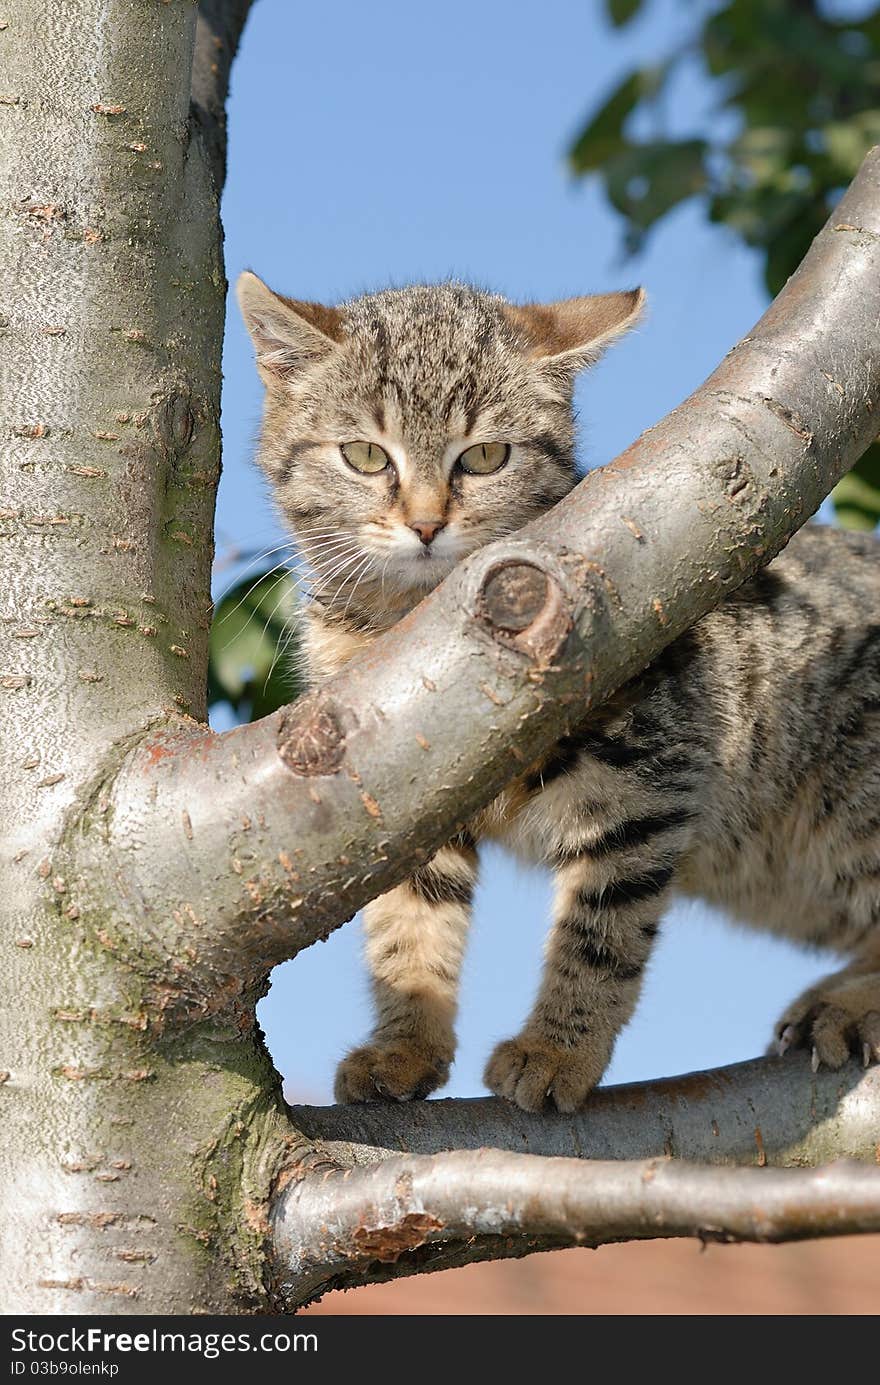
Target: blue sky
x=378 y=144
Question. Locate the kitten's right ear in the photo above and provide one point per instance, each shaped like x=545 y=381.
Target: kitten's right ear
x=287 y=334
x=574 y=333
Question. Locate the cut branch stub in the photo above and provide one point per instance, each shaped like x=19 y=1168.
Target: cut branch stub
x=311 y=737
x=514 y=596
x=526 y=610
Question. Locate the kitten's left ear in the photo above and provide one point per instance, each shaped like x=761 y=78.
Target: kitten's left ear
x=287 y=333
x=574 y=332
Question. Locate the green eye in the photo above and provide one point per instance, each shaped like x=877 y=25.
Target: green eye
x=484 y=458
x=366 y=457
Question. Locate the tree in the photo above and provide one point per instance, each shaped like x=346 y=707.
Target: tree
x=796 y=107
x=154 y=872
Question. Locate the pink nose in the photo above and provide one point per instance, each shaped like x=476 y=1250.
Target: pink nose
x=427 y=529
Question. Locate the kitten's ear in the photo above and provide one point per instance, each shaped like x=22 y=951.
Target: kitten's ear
x=286 y=333
x=574 y=332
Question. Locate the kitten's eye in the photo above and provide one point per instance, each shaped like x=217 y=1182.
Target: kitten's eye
x=484 y=458
x=367 y=457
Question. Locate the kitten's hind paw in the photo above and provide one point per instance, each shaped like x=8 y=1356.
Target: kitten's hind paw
x=537 y=1075
x=393 y=1071
x=839 y=1017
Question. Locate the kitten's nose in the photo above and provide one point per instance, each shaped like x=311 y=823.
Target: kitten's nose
x=427 y=529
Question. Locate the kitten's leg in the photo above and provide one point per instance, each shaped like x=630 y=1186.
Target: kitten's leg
x=606 y=916
x=415 y=938
x=838 y=1016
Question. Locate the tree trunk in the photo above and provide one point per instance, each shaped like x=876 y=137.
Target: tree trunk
x=152 y=873
x=127 y=1154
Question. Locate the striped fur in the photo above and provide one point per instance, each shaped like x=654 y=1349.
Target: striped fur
x=415 y=938
x=742 y=767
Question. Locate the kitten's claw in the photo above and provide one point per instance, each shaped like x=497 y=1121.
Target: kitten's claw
x=536 y=1075
x=838 y=1018
x=869 y=1031
x=786 y=1039
x=393 y=1071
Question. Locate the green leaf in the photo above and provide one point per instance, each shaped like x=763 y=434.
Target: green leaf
x=789 y=246
x=645 y=181
x=796 y=91
x=763 y=152
x=848 y=141
x=602 y=136
x=620 y=12
x=252 y=646
x=857 y=497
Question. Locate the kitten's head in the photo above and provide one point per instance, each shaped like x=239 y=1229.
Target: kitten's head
x=407 y=428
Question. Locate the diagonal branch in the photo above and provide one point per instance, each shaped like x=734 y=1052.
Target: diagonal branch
x=340 y=1227
x=241 y=849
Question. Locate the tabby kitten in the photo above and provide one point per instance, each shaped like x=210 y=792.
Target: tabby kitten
x=407 y=428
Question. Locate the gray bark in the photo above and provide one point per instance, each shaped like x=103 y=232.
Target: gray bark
x=151 y=873
x=426 y=1213
x=218 y=29
x=774 y=1111
x=112 y=300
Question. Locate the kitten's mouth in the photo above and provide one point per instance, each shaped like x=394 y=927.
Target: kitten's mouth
x=408 y=568
x=425 y=569
x=430 y=555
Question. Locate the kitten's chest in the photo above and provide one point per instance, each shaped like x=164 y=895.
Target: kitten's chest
x=329 y=641
x=538 y=822
x=328 y=645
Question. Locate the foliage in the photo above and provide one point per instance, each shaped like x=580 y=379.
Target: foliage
x=252 y=647
x=795 y=87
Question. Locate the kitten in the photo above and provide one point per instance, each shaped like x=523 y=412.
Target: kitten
x=407 y=428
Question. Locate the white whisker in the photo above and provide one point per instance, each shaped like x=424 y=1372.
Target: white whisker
x=318 y=591
x=358 y=578
x=262 y=578
x=284 y=639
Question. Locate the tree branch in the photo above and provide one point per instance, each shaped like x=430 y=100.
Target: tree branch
x=246 y=847
x=339 y=1227
x=372 y=1192
x=219 y=28
x=773 y=1111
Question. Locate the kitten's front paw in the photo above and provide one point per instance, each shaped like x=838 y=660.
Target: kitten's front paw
x=533 y=1073
x=838 y=1017
x=395 y=1071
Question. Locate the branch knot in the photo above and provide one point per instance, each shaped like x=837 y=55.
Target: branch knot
x=526 y=610
x=311 y=737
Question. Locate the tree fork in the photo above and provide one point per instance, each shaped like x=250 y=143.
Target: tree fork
x=339 y=1222
x=252 y=844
